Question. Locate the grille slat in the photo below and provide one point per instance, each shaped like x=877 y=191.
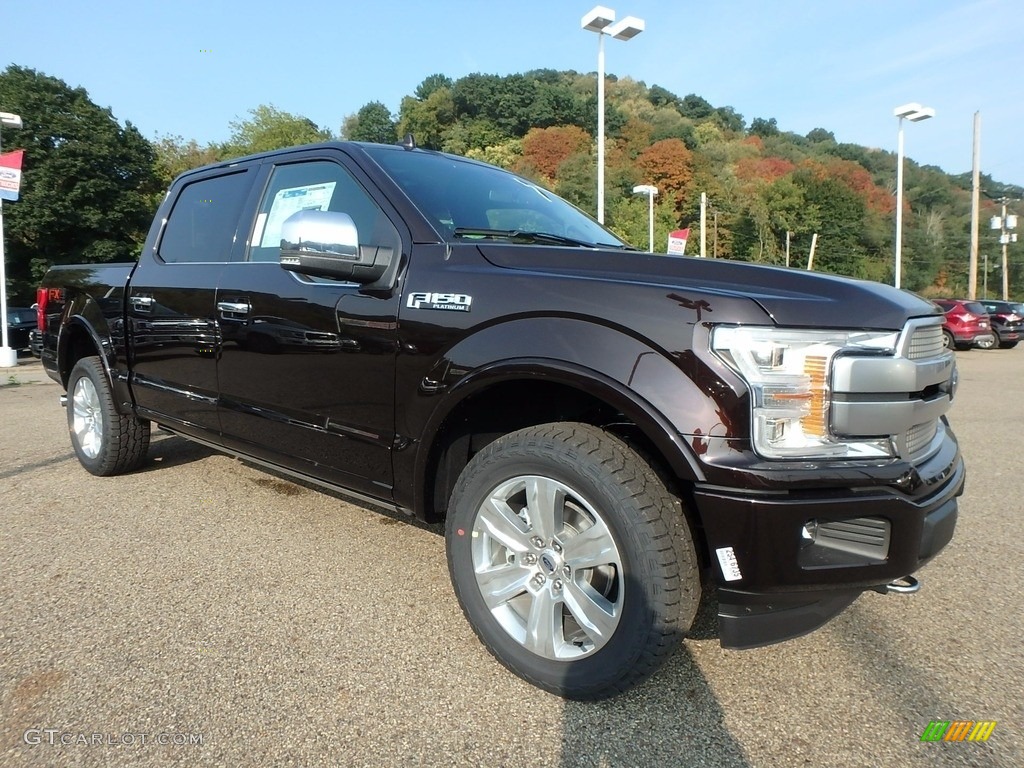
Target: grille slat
x=926 y=342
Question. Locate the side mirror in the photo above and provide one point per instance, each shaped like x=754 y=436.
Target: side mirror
x=326 y=244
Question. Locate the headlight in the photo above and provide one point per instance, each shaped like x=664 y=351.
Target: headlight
x=788 y=373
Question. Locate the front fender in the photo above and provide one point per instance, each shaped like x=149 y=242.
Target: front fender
x=656 y=390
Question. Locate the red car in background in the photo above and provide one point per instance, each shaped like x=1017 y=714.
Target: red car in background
x=966 y=325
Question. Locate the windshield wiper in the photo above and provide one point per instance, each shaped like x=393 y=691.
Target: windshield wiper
x=521 y=235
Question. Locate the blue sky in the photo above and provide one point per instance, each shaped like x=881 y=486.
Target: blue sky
x=838 y=64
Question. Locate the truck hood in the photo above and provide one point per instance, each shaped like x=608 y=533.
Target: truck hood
x=791 y=297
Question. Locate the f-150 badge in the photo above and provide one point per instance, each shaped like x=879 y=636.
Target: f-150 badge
x=453 y=302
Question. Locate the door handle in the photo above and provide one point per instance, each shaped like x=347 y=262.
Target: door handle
x=142 y=303
x=234 y=307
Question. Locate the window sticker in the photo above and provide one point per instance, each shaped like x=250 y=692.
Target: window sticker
x=310 y=197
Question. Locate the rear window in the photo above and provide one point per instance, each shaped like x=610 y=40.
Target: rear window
x=19 y=316
x=975 y=308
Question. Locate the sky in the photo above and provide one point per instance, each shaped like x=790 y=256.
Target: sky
x=190 y=68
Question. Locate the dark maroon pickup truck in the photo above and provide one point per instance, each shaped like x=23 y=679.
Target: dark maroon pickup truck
x=606 y=433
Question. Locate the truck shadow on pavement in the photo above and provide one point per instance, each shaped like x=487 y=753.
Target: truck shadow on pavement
x=167 y=450
x=672 y=719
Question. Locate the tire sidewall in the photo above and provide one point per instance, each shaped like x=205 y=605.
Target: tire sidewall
x=85 y=369
x=600 y=669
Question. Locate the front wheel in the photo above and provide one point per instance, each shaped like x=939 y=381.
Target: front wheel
x=106 y=442
x=571 y=560
x=986 y=342
x=1007 y=344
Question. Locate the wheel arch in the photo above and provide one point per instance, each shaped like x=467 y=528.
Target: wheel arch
x=532 y=391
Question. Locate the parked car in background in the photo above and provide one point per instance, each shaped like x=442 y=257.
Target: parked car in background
x=20 y=320
x=35 y=342
x=1007 y=321
x=966 y=325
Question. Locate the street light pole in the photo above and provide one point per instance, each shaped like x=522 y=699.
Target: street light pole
x=602 y=21
x=913 y=112
x=650 y=190
x=8 y=356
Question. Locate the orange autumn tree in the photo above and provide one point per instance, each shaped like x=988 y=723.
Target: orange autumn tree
x=668 y=165
x=545 y=149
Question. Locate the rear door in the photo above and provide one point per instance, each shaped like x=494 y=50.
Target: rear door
x=174 y=338
x=307 y=365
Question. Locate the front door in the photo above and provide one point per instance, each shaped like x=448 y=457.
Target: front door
x=307 y=366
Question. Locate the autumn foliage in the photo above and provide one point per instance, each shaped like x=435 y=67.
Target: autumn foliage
x=545 y=149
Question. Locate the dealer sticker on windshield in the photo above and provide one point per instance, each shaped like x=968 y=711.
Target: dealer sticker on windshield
x=453 y=302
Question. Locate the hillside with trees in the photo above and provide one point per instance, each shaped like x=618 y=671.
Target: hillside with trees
x=761 y=181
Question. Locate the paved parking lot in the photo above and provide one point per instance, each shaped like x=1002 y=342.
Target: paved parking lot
x=202 y=599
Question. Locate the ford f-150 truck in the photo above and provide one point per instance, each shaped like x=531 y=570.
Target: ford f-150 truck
x=605 y=432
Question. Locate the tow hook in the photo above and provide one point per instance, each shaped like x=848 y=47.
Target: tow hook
x=907 y=585
x=63 y=401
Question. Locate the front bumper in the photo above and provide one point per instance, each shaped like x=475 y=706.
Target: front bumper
x=770 y=590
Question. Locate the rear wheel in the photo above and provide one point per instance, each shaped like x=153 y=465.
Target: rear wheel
x=105 y=442
x=948 y=340
x=571 y=560
x=986 y=342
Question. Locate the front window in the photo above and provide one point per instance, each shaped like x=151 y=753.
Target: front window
x=466 y=200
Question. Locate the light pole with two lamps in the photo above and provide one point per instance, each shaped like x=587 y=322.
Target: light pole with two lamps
x=602 y=21
x=650 y=190
x=8 y=356
x=915 y=113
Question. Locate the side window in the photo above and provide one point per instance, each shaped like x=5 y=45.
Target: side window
x=322 y=186
x=204 y=219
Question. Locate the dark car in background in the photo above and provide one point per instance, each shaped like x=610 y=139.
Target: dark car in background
x=966 y=325
x=20 y=322
x=1007 y=320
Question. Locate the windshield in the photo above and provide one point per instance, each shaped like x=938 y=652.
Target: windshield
x=468 y=200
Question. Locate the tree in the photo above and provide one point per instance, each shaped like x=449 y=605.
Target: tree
x=270 y=128
x=373 y=122
x=547 y=148
x=432 y=83
x=759 y=126
x=174 y=156
x=427 y=120
x=87 y=181
x=668 y=165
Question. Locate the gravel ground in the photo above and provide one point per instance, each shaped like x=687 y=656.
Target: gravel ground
x=202 y=599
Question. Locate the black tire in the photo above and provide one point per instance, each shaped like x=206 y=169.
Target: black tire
x=986 y=342
x=637 y=584
x=948 y=340
x=106 y=442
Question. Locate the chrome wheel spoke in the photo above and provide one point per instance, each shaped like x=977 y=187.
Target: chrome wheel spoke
x=497 y=519
x=546 y=503
x=544 y=625
x=591 y=548
x=501 y=584
x=597 y=616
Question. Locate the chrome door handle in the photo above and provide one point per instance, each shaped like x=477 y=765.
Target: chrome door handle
x=142 y=303
x=237 y=307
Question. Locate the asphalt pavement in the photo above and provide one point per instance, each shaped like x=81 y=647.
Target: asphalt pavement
x=202 y=612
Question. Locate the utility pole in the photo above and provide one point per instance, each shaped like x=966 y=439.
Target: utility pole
x=703 y=224
x=1004 y=224
x=985 y=295
x=972 y=270
x=788 y=233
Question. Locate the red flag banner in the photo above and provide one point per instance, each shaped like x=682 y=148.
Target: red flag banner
x=10 y=174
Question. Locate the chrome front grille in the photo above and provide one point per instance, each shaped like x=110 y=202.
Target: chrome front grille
x=901 y=397
x=925 y=341
x=918 y=438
